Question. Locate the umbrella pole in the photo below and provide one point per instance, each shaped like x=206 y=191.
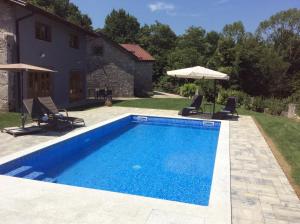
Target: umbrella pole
x=22 y=109
x=214 y=106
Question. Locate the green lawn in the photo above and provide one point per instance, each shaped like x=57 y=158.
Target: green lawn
x=9 y=119
x=167 y=104
x=285 y=134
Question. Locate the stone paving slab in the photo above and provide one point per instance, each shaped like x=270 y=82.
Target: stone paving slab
x=260 y=192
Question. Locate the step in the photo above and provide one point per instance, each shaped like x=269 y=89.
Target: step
x=35 y=175
x=19 y=172
x=50 y=180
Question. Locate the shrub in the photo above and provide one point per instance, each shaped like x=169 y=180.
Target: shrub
x=222 y=96
x=242 y=98
x=258 y=104
x=206 y=88
x=247 y=102
x=276 y=106
x=167 y=83
x=188 y=89
x=295 y=98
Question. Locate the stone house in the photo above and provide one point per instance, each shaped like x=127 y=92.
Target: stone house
x=85 y=60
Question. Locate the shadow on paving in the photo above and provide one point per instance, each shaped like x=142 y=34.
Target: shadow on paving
x=217 y=116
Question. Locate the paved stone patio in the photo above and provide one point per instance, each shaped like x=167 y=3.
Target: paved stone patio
x=260 y=192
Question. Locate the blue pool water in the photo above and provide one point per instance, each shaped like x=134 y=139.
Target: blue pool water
x=170 y=159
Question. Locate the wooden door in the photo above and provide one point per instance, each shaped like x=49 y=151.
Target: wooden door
x=39 y=84
x=76 y=87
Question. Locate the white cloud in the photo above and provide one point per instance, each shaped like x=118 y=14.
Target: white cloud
x=161 y=6
x=170 y=9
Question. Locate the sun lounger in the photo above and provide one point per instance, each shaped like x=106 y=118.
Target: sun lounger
x=194 y=108
x=34 y=110
x=55 y=113
x=230 y=107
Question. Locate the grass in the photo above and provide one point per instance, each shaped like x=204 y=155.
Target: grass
x=285 y=134
x=152 y=103
x=9 y=119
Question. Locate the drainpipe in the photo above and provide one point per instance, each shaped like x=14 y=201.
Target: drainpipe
x=18 y=54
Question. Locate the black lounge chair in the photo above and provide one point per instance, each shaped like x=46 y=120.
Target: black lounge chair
x=230 y=107
x=34 y=110
x=194 y=108
x=53 y=112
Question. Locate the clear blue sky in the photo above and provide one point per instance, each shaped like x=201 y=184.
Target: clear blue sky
x=180 y=14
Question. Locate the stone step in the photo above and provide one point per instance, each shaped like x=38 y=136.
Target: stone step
x=35 y=175
x=50 y=180
x=20 y=171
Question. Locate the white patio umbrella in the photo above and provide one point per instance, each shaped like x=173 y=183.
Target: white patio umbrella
x=21 y=68
x=199 y=72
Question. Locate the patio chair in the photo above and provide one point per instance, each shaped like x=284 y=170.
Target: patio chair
x=230 y=107
x=194 y=108
x=34 y=110
x=100 y=94
x=55 y=113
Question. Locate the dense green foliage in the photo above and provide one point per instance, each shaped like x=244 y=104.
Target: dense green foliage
x=159 y=40
x=265 y=63
x=121 y=27
x=269 y=105
x=66 y=10
x=188 y=89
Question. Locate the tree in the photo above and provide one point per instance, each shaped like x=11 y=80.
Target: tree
x=261 y=70
x=234 y=31
x=281 y=28
x=282 y=31
x=211 y=41
x=194 y=37
x=159 y=39
x=121 y=27
x=66 y=10
x=184 y=58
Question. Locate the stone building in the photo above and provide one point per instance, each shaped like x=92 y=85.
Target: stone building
x=84 y=60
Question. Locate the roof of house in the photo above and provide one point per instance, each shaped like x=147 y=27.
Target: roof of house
x=50 y=15
x=139 y=52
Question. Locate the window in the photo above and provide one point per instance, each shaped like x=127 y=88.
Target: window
x=43 y=32
x=39 y=84
x=74 y=41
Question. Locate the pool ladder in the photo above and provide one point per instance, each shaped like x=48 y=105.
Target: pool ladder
x=208 y=123
x=141 y=118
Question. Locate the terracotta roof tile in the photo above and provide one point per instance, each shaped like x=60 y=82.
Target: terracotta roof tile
x=138 y=51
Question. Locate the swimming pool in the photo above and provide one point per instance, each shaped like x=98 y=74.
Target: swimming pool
x=165 y=158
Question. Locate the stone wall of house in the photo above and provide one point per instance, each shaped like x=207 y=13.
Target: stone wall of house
x=108 y=66
x=143 y=78
x=7 y=49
